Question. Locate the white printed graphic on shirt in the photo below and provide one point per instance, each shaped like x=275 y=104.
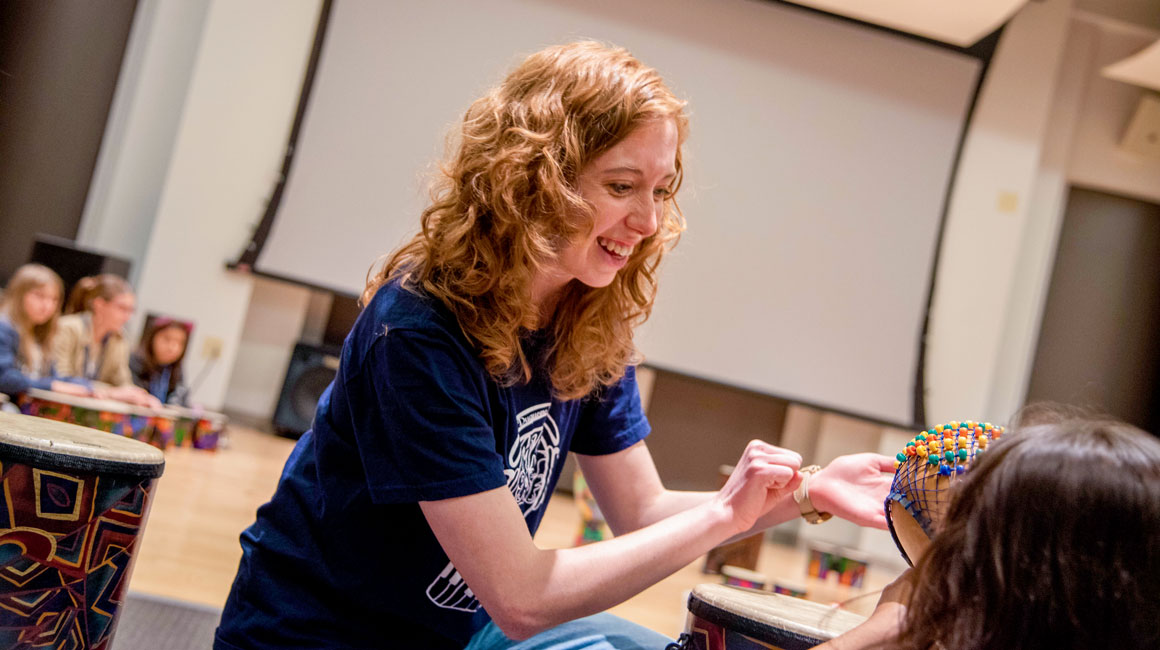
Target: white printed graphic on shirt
x=530 y=462
x=532 y=457
x=449 y=591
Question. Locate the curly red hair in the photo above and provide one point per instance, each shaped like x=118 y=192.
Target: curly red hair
x=506 y=202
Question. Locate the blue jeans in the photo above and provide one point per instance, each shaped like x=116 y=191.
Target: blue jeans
x=599 y=632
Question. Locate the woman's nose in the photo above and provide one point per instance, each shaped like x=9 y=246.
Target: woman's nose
x=643 y=218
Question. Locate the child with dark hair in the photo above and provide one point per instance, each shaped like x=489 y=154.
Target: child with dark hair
x=1050 y=542
x=156 y=364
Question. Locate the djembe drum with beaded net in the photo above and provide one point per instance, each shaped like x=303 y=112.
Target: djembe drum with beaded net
x=930 y=464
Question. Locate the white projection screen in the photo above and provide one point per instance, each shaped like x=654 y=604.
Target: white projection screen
x=819 y=158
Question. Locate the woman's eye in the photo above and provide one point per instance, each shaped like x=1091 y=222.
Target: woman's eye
x=662 y=193
x=620 y=188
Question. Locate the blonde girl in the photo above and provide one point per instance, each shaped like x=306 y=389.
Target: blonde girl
x=28 y=318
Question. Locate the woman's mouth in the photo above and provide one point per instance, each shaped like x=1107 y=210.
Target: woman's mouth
x=614 y=248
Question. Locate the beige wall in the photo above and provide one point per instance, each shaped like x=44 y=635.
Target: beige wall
x=241 y=101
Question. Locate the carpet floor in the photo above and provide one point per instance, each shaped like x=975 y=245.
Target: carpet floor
x=155 y=623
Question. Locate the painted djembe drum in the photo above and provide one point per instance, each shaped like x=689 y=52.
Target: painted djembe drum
x=728 y=618
x=164 y=426
x=76 y=502
x=593 y=528
x=105 y=415
x=925 y=471
x=196 y=428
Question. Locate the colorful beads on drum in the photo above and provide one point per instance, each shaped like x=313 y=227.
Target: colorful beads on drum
x=924 y=471
x=958 y=445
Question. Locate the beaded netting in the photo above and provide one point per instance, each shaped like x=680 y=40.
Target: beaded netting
x=929 y=465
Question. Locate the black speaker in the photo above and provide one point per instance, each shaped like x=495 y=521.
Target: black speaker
x=311 y=369
x=72 y=262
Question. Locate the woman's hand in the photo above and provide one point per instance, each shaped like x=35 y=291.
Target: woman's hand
x=764 y=475
x=854 y=487
x=69 y=388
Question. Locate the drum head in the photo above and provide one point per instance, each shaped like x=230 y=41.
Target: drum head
x=790 y=622
x=50 y=444
x=90 y=403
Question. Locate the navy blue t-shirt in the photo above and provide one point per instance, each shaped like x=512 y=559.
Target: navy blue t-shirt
x=342 y=556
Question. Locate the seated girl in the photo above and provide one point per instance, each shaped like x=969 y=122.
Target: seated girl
x=156 y=365
x=1050 y=542
x=28 y=317
x=90 y=343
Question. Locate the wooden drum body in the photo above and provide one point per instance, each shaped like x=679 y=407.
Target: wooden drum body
x=728 y=618
x=75 y=503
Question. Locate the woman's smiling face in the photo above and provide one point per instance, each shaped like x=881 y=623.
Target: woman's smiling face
x=626 y=187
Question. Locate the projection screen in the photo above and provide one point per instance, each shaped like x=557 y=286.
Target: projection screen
x=818 y=162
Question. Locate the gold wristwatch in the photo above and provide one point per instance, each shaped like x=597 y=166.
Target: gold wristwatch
x=802 y=496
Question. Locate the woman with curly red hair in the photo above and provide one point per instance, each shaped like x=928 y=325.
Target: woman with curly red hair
x=493 y=343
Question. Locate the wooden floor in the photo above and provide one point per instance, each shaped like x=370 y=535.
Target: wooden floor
x=190 y=550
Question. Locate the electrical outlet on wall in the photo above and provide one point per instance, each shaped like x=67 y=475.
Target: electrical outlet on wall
x=1142 y=136
x=211 y=347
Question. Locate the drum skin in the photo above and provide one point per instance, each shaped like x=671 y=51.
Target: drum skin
x=728 y=618
x=75 y=504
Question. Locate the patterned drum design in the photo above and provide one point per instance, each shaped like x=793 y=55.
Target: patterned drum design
x=164 y=427
x=109 y=416
x=728 y=618
x=197 y=428
x=75 y=503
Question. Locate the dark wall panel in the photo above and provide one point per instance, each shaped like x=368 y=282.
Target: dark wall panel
x=59 y=63
x=700 y=425
x=1098 y=345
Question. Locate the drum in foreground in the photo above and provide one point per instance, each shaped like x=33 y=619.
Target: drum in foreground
x=728 y=618
x=76 y=502
x=930 y=464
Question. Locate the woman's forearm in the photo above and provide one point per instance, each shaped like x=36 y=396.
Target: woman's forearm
x=569 y=583
x=674 y=501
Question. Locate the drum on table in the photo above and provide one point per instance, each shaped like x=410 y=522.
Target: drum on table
x=76 y=503
x=728 y=618
x=104 y=415
x=164 y=427
x=197 y=428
